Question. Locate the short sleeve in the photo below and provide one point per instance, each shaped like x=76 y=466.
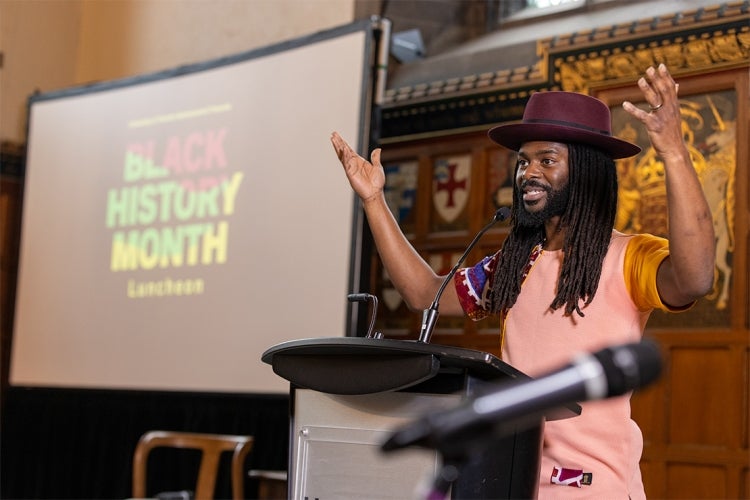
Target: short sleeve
x=643 y=256
x=473 y=285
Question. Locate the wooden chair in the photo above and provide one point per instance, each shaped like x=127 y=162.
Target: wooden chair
x=212 y=446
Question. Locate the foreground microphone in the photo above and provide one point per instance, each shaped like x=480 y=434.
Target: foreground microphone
x=610 y=372
x=430 y=316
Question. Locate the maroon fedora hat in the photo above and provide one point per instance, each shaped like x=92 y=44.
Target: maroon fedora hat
x=565 y=117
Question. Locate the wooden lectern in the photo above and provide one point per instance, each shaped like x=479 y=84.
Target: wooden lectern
x=349 y=393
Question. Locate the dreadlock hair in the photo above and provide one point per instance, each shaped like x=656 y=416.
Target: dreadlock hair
x=588 y=220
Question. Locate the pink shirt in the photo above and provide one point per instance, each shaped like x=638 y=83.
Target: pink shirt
x=603 y=441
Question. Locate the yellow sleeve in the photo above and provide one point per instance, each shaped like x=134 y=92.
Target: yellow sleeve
x=643 y=256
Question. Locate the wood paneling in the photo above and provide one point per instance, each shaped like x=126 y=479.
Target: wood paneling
x=704 y=388
x=11 y=196
x=696 y=481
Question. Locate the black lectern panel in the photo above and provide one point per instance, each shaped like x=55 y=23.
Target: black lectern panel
x=329 y=374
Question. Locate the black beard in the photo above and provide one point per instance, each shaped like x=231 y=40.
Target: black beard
x=557 y=203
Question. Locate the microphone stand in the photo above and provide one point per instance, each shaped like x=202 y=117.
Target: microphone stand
x=443 y=481
x=430 y=316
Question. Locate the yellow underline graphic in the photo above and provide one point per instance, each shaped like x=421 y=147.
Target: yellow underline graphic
x=180 y=115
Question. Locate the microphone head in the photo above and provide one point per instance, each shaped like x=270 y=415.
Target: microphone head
x=501 y=214
x=630 y=366
x=359 y=297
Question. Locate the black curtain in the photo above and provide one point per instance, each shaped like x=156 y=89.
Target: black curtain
x=75 y=444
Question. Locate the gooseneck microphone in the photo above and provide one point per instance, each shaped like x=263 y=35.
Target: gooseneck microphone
x=609 y=372
x=430 y=316
x=366 y=297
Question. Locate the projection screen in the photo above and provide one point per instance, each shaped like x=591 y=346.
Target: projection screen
x=177 y=225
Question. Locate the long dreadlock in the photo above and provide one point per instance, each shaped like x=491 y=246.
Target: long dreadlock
x=588 y=221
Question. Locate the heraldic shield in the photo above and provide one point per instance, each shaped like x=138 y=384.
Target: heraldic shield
x=450 y=186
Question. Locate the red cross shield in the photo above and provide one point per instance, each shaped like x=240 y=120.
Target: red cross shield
x=450 y=185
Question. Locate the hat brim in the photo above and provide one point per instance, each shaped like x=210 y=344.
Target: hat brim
x=513 y=135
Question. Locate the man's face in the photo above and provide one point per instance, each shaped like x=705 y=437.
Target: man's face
x=542 y=182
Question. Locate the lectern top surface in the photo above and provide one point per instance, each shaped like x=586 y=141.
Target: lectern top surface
x=480 y=363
